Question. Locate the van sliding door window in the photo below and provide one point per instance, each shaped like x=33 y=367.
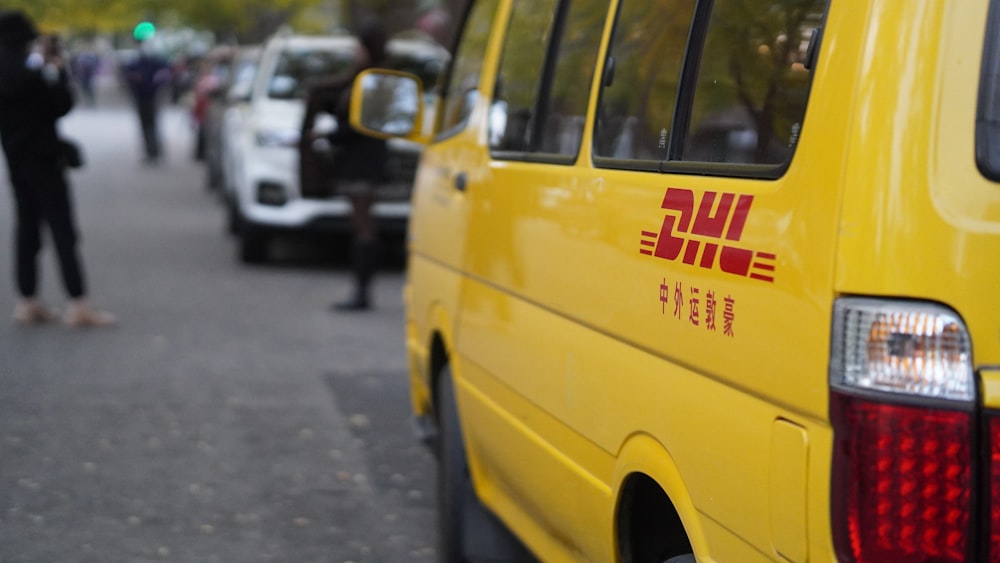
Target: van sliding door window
x=543 y=82
x=640 y=83
x=753 y=82
x=519 y=77
x=463 y=82
x=988 y=118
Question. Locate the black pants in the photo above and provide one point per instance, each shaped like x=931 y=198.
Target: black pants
x=148 y=120
x=42 y=196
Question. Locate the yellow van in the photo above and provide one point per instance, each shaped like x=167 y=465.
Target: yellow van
x=703 y=280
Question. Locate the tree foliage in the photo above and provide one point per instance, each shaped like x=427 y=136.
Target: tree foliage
x=244 y=21
x=104 y=16
x=229 y=18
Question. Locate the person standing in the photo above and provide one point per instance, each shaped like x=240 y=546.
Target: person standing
x=361 y=164
x=34 y=93
x=145 y=76
x=84 y=69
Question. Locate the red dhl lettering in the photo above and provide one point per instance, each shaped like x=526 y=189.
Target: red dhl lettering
x=695 y=297
x=723 y=221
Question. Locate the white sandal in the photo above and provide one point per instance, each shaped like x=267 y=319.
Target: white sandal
x=81 y=315
x=30 y=312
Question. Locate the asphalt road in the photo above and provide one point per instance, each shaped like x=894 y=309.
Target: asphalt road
x=231 y=417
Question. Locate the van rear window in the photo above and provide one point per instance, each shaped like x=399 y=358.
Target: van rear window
x=988 y=115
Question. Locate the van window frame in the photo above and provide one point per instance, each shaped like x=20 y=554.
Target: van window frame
x=684 y=103
x=989 y=168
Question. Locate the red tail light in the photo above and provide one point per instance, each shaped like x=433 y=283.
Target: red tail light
x=906 y=457
x=994 y=425
x=903 y=482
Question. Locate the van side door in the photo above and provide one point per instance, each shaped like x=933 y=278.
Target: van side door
x=510 y=347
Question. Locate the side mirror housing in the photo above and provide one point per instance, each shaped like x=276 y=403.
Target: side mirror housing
x=388 y=104
x=240 y=92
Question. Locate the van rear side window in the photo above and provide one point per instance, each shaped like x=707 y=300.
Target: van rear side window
x=721 y=89
x=988 y=115
x=753 y=82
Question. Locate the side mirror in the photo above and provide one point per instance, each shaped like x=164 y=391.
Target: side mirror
x=240 y=92
x=388 y=104
x=282 y=87
x=325 y=124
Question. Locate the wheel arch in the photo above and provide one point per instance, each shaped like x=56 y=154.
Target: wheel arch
x=645 y=469
x=440 y=342
x=438 y=359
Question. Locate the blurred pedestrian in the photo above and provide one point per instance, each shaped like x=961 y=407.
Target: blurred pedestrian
x=435 y=21
x=34 y=93
x=361 y=161
x=84 y=67
x=146 y=75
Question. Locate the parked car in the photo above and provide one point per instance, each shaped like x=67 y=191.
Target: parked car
x=237 y=75
x=213 y=72
x=262 y=135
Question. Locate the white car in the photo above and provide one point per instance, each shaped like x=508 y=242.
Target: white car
x=260 y=150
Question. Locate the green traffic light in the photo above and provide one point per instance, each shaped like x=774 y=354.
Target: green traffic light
x=144 y=31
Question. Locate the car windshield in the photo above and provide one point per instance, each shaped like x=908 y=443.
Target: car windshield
x=296 y=67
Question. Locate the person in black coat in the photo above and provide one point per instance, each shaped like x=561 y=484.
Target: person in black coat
x=34 y=93
x=146 y=76
x=361 y=161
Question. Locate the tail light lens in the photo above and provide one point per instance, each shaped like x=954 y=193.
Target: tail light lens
x=902 y=482
x=902 y=408
x=916 y=349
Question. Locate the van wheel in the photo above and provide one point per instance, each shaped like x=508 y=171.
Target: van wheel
x=253 y=244
x=468 y=532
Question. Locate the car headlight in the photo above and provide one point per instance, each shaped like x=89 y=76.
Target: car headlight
x=277 y=137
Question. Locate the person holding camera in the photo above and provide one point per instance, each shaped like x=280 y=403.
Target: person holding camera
x=35 y=93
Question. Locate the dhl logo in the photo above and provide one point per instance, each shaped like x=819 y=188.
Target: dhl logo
x=722 y=221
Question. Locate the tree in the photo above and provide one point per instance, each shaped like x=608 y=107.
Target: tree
x=246 y=21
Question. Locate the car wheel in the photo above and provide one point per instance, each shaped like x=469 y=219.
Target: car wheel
x=213 y=177
x=252 y=244
x=468 y=531
x=233 y=218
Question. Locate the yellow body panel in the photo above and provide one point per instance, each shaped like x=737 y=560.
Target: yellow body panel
x=991 y=387
x=579 y=360
x=919 y=220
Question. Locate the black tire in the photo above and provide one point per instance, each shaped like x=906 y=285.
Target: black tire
x=252 y=244
x=213 y=177
x=468 y=532
x=233 y=220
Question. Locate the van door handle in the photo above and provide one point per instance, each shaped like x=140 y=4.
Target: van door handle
x=460 y=181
